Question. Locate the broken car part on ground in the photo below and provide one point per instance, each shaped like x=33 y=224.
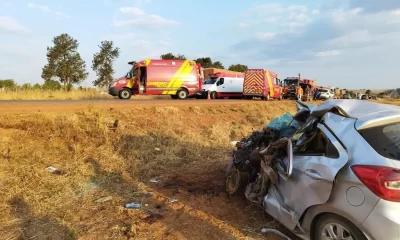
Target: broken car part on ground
x=328 y=172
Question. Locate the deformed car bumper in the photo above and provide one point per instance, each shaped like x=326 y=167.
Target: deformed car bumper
x=383 y=222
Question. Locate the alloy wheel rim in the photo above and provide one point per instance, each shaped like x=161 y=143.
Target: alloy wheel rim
x=335 y=231
x=182 y=94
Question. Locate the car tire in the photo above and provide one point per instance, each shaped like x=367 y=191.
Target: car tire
x=213 y=95
x=125 y=94
x=267 y=98
x=182 y=94
x=335 y=223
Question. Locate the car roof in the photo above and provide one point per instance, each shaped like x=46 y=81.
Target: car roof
x=368 y=114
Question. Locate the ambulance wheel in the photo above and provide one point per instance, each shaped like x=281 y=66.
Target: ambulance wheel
x=174 y=96
x=125 y=94
x=182 y=94
x=266 y=98
x=213 y=95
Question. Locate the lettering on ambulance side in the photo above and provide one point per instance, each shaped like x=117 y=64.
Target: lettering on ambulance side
x=158 y=84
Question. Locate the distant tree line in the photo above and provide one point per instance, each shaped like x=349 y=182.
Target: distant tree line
x=11 y=85
x=65 y=66
x=206 y=62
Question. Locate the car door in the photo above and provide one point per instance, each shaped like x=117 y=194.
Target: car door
x=221 y=85
x=310 y=181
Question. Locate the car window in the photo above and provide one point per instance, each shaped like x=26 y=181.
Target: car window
x=385 y=139
x=320 y=145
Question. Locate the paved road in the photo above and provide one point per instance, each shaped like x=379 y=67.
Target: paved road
x=21 y=106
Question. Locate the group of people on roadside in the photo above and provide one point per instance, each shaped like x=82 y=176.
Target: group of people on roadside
x=315 y=93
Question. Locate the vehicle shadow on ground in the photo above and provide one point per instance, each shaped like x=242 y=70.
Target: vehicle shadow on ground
x=37 y=227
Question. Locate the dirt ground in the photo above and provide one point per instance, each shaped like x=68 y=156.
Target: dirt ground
x=185 y=144
x=25 y=106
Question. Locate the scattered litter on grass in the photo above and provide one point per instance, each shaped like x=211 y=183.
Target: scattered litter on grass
x=271 y=230
x=103 y=199
x=54 y=170
x=133 y=205
x=157 y=149
x=155 y=180
x=174 y=200
x=148 y=195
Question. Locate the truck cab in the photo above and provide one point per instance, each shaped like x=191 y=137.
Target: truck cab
x=221 y=85
x=292 y=88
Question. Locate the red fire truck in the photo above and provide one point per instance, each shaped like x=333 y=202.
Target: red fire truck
x=262 y=83
x=177 y=78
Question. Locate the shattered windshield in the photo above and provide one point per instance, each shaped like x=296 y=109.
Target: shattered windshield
x=285 y=120
x=289 y=82
x=211 y=80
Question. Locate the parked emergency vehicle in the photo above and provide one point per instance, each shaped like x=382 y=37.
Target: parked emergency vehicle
x=177 y=78
x=292 y=88
x=222 y=85
x=262 y=83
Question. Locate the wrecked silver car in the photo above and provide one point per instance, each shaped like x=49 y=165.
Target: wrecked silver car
x=328 y=172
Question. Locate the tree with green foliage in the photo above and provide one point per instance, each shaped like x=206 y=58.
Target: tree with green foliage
x=102 y=63
x=368 y=92
x=37 y=86
x=208 y=63
x=51 y=85
x=64 y=62
x=238 y=68
x=170 y=56
x=8 y=84
x=218 y=64
x=26 y=86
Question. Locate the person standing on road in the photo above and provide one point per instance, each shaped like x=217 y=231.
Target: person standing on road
x=316 y=94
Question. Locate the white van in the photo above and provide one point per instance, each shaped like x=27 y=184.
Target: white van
x=223 y=85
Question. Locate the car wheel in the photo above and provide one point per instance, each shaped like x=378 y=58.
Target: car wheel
x=125 y=94
x=266 y=98
x=213 y=95
x=335 y=227
x=182 y=94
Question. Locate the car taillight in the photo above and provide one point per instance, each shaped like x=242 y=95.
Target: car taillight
x=382 y=181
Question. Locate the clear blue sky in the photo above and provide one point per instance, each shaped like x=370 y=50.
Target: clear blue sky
x=343 y=43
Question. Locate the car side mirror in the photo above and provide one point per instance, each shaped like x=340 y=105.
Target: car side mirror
x=285 y=167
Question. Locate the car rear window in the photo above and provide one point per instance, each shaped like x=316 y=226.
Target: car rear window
x=384 y=139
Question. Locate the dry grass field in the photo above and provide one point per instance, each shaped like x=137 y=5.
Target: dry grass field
x=186 y=146
x=63 y=95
